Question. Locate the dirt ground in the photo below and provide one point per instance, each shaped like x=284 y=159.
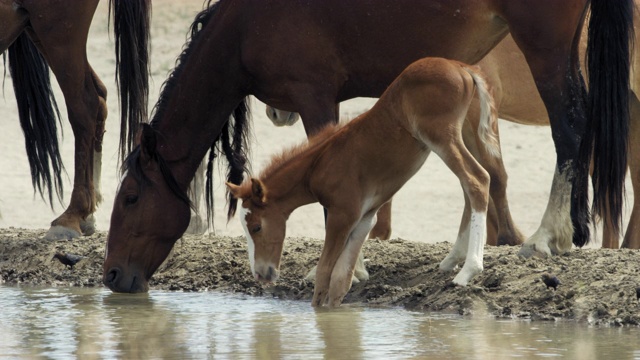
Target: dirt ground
x=597 y=286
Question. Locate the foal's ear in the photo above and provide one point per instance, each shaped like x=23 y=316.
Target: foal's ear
x=235 y=190
x=258 y=191
x=148 y=143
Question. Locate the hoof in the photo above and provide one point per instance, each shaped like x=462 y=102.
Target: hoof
x=58 y=232
x=530 y=251
x=380 y=234
x=311 y=276
x=510 y=240
x=88 y=226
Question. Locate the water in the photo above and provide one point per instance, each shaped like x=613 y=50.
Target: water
x=63 y=323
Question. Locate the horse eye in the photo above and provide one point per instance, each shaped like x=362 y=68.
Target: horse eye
x=130 y=200
x=256 y=228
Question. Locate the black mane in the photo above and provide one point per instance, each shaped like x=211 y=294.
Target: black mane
x=231 y=142
x=201 y=20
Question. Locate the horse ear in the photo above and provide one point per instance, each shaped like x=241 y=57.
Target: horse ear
x=148 y=142
x=258 y=191
x=235 y=190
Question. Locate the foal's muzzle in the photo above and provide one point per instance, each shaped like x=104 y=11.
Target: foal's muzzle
x=267 y=273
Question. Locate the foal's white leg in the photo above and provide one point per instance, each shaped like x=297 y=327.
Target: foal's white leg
x=460 y=247
x=342 y=273
x=555 y=234
x=477 y=237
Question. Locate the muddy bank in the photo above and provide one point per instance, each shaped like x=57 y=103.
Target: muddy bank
x=597 y=286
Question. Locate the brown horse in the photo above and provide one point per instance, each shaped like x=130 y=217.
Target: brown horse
x=518 y=101
x=354 y=169
x=42 y=34
x=348 y=49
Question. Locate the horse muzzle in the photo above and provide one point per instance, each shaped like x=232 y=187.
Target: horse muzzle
x=117 y=281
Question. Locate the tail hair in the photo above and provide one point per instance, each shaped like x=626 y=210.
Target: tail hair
x=488 y=125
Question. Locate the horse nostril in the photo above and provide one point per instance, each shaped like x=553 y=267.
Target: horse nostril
x=271 y=275
x=112 y=275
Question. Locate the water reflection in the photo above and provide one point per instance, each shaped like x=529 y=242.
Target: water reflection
x=63 y=323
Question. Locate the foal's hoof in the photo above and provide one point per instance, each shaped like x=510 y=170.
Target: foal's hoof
x=58 y=232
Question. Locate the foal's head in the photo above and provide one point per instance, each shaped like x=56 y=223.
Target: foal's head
x=264 y=224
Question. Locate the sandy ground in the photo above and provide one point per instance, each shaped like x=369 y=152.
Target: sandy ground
x=426 y=213
x=596 y=286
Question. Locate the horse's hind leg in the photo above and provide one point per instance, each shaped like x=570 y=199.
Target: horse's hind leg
x=559 y=82
x=197 y=225
x=632 y=235
x=382 y=228
x=64 y=47
x=87 y=225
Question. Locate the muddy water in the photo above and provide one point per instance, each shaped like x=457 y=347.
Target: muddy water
x=61 y=323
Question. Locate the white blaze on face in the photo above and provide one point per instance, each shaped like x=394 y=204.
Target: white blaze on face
x=250 y=245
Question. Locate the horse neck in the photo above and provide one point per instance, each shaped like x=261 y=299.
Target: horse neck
x=204 y=95
x=289 y=184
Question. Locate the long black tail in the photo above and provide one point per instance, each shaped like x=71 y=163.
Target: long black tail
x=131 y=20
x=606 y=137
x=39 y=116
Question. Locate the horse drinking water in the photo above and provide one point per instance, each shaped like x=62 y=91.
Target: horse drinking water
x=355 y=48
x=354 y=169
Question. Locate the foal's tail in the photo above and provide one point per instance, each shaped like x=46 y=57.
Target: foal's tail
x=131 y=19
x=39 y=115
x=488 y=113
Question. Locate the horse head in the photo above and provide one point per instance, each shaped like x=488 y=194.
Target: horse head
x=264 y=224
x=150 y=214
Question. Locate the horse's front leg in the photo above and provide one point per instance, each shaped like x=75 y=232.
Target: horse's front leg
x=339 y=227
x=345 y=267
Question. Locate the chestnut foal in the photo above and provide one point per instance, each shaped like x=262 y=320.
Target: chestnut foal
x=352 y=170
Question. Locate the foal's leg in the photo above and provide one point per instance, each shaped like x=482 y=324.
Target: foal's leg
x=460 y=247
x=475 y=183
x=507 y=232
x=344 y=269
x=339 y=227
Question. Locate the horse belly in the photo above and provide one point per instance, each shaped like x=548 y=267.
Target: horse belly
x=391 y=172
